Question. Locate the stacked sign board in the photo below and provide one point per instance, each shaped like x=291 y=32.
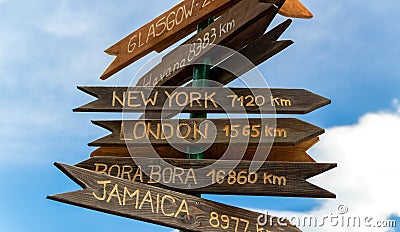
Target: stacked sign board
x=140 y=171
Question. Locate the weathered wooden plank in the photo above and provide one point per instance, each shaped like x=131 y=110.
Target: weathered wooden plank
x=256 y=52
x=293 y=8
x=205 y=132
x=160 y=206
x=193 y=100
x=243 y=37
x=264 y=45
x=296 y=153
x=224 y=31
x=216 y=177
x=163 y=31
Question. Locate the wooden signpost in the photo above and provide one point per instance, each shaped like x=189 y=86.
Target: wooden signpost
x=192 y=100
x=160 y=206
x=257 y=51
x=232 y=22
x=296 y=153
x=163 y=31
x=168 y=72
x=145 y=169
x=175 y=24
x=271 y=179
x=293 y=8
x=140 y=43
x=203 y=132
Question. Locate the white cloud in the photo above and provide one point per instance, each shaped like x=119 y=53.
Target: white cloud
x=365 y=181
x=396 y=105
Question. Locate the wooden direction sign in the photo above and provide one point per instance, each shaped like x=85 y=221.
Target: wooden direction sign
x=211 y=100
x=257 y=52
x=271 y=179
x=160 y=206
x=204 y=132
x=163 y=31
x=259 y=49
x=296 y=153
x=293 y=8
x=239 y=18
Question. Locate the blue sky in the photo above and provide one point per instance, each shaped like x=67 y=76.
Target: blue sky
x=349 y=52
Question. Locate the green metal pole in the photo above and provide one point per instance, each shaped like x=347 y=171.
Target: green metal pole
x=201 y=73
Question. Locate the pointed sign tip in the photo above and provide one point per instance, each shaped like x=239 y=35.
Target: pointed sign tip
x=63 y=168
x=59 y=165
x=300 y=15
x=104 y=76
x=53 y=197
x=113 y=68
x=295 y=9
x=112 y=51
x=72 y=172
x=76 y=110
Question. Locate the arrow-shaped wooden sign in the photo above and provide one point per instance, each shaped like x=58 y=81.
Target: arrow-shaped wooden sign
x=210 y=100
x=294 y=9
x=247 y=27
x=205 y=132
x=161 y=206
x=175 y=25
x=296 y=153
x=163 y=31
x=257 y=51
x=217 y=177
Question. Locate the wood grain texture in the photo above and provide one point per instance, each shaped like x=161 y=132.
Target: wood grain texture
x=296 y=153
x=217 y=177
x=257 y=52
x=156 y=205
x=293 y=9
x=240 y=39
x=205 y=132
x=222 y=32
x=162 y=32
x=222 y=100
